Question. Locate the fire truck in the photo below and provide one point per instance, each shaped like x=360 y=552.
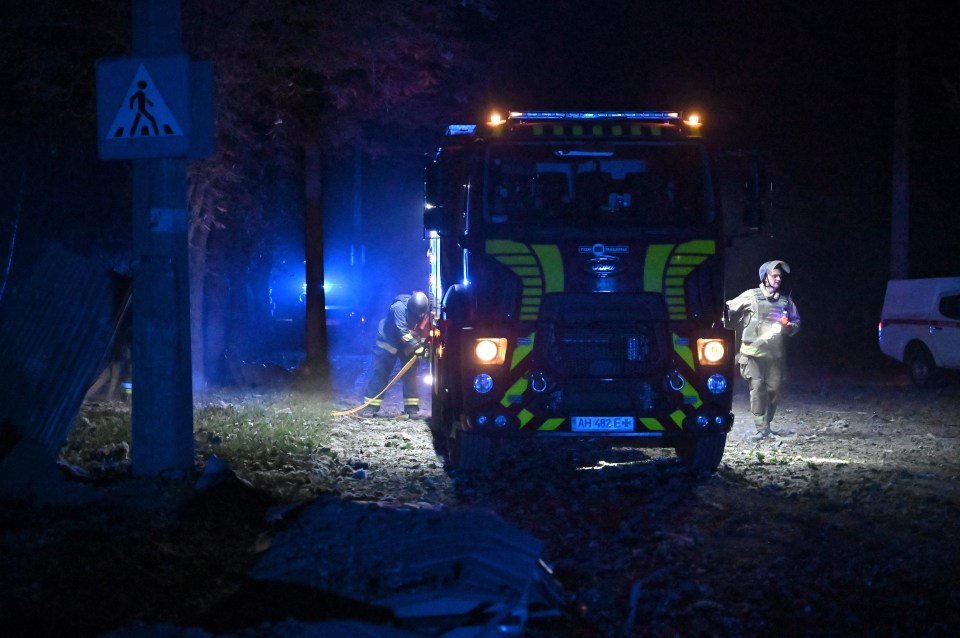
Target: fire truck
x=576 y=264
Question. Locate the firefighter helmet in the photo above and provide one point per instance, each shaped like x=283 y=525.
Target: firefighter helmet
x=417 y=306
x=771 y=265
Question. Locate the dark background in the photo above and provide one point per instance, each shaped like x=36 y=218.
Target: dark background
x=808 y=84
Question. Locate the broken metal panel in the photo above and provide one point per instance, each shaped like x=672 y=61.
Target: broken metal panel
x=55 y=327
x=456 y=574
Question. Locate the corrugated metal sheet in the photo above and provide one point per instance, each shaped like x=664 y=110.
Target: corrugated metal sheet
x=445 y=574
x=55 y=328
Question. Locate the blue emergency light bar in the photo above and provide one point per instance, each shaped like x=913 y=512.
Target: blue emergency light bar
x=594 y=115
x=461 y=129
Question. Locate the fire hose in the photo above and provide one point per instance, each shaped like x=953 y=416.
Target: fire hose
x=403 y=371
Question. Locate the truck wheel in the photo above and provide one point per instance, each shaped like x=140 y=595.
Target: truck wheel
x=702 y=454
x=441 y=426
x=923 y=370
x=470 y=451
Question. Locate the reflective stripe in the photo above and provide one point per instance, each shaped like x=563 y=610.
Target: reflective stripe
x=683 y=349
x=551 y=424
x=412 y=401
x=521 y=351
x=375 y=403
x=386 y=346
x=667 y=266
x=651 y=424
x=539 y=267
x=517 y=389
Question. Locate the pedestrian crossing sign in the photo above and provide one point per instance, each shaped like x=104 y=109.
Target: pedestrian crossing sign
x=143 y=111
x=154 y=107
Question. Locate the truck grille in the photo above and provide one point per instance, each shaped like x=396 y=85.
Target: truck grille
x=605 y=336
x=598 y=352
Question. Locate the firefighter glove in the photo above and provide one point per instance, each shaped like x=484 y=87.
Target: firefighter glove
x=421 y=351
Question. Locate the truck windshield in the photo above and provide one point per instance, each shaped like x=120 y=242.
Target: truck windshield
x=570 y=184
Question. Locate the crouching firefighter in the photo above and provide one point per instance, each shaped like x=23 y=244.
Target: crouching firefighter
x=401 y=335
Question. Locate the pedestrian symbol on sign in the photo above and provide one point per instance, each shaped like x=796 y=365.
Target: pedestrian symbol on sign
x=143 y=113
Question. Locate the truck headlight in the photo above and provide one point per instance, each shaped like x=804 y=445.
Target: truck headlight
x=710 y=352
x=490 y=350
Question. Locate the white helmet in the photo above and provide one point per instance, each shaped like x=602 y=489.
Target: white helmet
x=770 y=265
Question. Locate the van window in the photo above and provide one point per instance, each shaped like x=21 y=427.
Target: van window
x=950 y=306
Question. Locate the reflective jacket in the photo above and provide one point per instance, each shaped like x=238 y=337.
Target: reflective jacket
x=763 y=322
x=393 y=334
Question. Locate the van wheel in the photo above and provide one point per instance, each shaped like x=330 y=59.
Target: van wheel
x=702 y=454
x=923 y=370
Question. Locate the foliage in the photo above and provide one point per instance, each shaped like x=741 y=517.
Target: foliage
x=296 y=72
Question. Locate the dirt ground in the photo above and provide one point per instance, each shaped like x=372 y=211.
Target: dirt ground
x=843 y=525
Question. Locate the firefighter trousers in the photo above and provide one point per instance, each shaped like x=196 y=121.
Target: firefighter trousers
x=381 y=369
x=765 y=376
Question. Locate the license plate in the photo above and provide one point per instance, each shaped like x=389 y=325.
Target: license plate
x=602 y=424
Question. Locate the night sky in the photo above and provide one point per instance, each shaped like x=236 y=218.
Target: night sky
x=809 y=84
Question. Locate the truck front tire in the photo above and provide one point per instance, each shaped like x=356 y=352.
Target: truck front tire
x=470 y=451
x=702 y=455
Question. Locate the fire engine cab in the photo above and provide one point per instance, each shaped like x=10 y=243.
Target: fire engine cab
x=577 y=268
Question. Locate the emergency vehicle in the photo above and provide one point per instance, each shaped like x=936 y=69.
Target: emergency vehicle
x=577 y=267
x=920 y=326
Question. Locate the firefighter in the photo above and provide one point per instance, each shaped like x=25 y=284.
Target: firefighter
x=401 y=335
x=763 y=316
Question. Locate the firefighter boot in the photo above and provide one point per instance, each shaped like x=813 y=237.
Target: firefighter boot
x=763 y=428
x=768 y=418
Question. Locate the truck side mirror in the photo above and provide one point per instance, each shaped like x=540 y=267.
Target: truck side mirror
x=433 y=219
x=436 y=216
x=742 y=185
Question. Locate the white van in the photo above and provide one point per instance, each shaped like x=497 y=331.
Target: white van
x=920 y=326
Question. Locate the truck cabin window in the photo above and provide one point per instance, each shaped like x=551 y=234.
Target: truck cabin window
x=633 y=185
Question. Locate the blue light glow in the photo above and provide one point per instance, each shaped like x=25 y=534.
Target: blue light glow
x=461 y=129
x=717 y=383
x=483 y=383
x=594 y=115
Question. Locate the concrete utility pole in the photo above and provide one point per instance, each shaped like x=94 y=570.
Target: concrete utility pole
x=155 y=107
x=162 y=409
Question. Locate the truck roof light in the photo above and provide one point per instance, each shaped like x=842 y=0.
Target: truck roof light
x=461 y=129
x=594 y=115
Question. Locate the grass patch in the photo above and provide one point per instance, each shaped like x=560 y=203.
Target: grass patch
x=282 y=432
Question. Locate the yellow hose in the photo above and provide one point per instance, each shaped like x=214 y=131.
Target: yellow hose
x=402 y=372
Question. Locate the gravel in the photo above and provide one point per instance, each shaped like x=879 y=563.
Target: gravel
x=841 y=525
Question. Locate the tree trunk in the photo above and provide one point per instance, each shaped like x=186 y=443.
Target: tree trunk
x=317 y=366
x=198 y=235
x=900 y=207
